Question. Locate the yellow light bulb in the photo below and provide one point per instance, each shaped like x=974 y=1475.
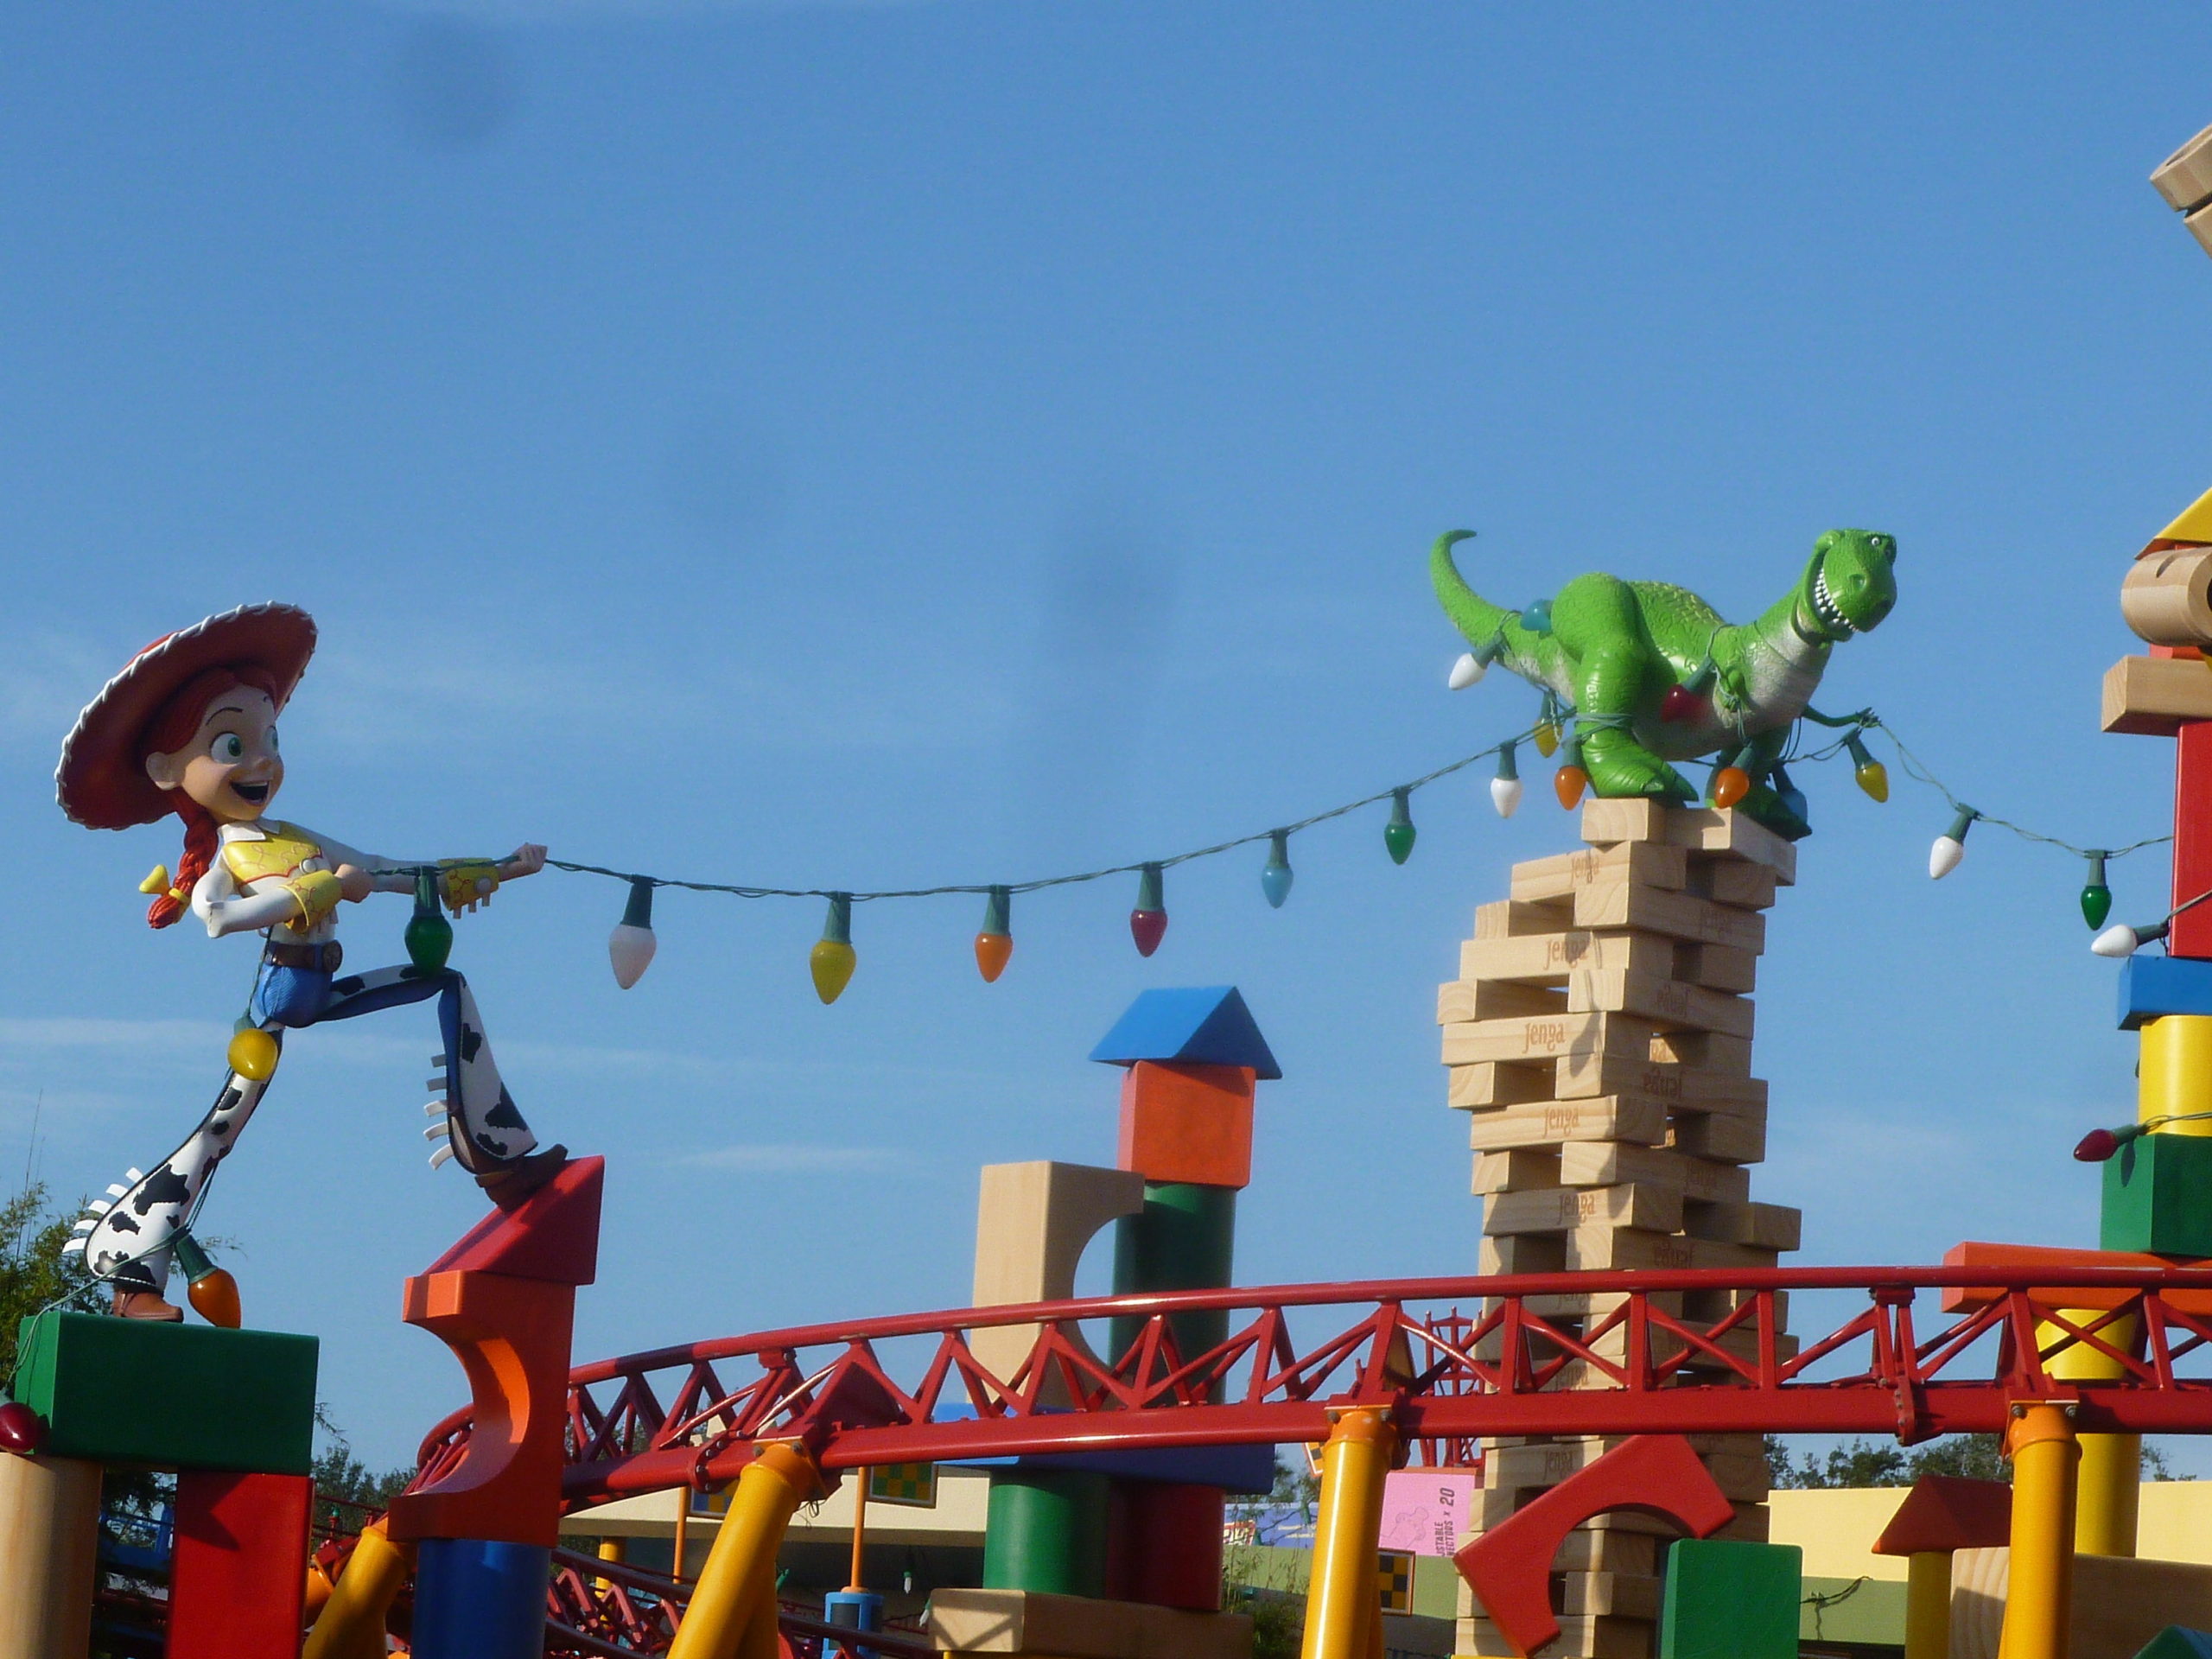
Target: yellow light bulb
x=253 y=1055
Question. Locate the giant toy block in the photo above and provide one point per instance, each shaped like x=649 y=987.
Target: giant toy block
x=241 y=1548
x=1729 y=1599
x=1599 y=1038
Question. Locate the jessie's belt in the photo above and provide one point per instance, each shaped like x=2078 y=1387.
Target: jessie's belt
x=321 y=959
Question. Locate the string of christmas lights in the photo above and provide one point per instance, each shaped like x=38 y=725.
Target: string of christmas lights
x=833 y=960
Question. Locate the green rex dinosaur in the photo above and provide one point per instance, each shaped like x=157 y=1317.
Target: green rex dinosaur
x=1615 y=650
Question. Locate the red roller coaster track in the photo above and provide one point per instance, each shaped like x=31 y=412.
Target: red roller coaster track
x=1926 y=1352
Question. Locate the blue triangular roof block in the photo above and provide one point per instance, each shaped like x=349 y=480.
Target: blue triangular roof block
x=2175 y=1642
x=1200 y=1025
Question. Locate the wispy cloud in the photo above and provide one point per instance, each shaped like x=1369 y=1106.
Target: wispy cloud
x=781 y=1159
x=30 y=1035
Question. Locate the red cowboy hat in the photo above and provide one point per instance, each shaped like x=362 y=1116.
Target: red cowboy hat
x=101 y=782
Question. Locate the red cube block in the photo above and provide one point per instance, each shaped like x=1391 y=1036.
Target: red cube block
x=1188 y=1123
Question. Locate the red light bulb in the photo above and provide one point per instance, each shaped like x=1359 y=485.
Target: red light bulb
x=2096 y=1146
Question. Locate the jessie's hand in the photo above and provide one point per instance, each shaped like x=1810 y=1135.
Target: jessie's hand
x=354 y=883
x=526 y=859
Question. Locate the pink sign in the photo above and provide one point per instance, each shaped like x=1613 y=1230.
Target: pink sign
x=1428 y=1511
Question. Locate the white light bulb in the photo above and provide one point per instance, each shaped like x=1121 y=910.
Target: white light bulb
x=630 y=950
x=1943 y=857
x=2118 y=940
x=1464 y=672
x=1505 y=795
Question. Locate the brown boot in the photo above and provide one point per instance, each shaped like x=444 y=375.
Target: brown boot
x=510 y=1184
x=144 y=1305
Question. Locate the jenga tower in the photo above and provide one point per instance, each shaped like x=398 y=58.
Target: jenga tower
x=1600 y=1034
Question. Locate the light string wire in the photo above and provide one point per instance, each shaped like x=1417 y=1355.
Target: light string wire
x=1851 y=727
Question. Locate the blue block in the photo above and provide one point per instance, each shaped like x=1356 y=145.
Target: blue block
x=856 y=1609
x=1245 y=1470
x=2153 y=987
x=2175 y=1642
x=1206 y=1025
x=475 y=1600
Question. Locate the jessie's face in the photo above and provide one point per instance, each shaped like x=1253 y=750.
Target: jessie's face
x=231 y=767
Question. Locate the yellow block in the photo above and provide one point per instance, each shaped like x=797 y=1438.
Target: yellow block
x=2195 y=523
x=2176 y=1072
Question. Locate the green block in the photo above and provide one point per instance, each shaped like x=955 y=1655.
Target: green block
x=1045 y=1532
x=1731 y=1600
x=2175 y=1642
x=2158 y=1196
x=170 y=1397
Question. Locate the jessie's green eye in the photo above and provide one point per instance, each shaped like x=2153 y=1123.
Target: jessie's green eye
x=228 y=747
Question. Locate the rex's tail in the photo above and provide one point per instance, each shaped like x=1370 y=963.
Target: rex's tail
x=1472 y=614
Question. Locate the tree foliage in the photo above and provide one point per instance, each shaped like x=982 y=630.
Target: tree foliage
x=33 y=1273
x=1885 y=1463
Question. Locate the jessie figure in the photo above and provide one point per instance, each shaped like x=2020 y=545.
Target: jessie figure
x=189 y=727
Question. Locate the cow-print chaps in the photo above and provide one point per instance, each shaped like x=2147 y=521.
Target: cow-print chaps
x=128 y=1240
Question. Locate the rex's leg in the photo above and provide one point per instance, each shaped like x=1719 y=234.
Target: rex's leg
x=1597 y=625
x=1763 y=804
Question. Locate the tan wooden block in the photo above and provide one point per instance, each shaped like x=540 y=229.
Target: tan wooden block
x=1591 y=1308
x=1751 y=1523
x=1032 y=1221
x=1707 y=1051
x=1731 y=882
x=1578 y=1638
x=1597 y=1246
x=1491 y=1083
x=1559 y=877
x=1739 y=1344
x=1521 y=1253
x=1716 y=967
x=1709 y=1306
x=1577 y=1077
x=1606 y=1117
x=2120 y=1603
x=1626 y=1553
x=1507 y=919
x=1665 y=1000
x=1521 y=1169
x=2150 y=696
x=1461 y=999
x=1725 y=1137
x=2184 y=178
x=1547 y=1038
x=1595 y=1594
x=1567 y=1209
x=2199 y=225
x=1678 y=915
x=1592 y=1163
x=1727 y=833
x=1476 y=1636
x=1769 y=1226
x=1018 y=1621
x=1547 y=958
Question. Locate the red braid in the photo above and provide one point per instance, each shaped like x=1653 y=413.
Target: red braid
x=170 y=731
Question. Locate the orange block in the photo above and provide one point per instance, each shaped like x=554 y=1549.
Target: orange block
x=512 y=1336
x=2058 y=1260
x=1188 y=1123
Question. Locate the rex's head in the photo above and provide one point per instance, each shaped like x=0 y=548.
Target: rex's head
x=1850 y=583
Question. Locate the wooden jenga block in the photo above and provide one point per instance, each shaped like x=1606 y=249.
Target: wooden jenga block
x=1608 y=1117
x=1594 y=1247
x=1599 y=1163
x=1678 y=915
x=1521 y=1169
x=1725 y=1137
x=1725 y=881
x=1665 y=1001
x=1707 y=1051
x=1522 y=1253
x=1578 y=1638
x=1769 y=1226
x=1505 y=918
x=1727 y=833
x=1716 y=967
x=1576 y=1077
x=1572 y=1208
x=1588 y=1551
x=1549 y=1037
x=1491 y=1083
x=1462 y=999
x=1618 y=1594
x=1591 y=1307
x=1652 y=864
x=1739 y=1344
x=1546 y=958
x=1750 y=1523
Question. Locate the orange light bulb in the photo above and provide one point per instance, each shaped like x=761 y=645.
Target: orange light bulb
x=1730 y=785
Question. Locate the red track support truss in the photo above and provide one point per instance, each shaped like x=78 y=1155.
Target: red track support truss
x=907 y=1388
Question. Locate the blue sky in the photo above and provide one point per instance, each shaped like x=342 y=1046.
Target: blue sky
x=875 y=446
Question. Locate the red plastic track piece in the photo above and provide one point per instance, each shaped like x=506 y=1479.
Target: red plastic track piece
x=553 y=1235
x=1510 y=1567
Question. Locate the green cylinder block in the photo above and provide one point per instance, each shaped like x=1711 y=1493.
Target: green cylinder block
x=1184 y=1239
x=1047 y=1532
